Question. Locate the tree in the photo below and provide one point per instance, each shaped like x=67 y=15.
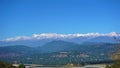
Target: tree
x=21 y=66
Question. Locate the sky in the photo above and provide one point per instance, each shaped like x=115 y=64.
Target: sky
x=27 y=17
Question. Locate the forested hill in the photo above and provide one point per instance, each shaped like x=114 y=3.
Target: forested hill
x=59 y=52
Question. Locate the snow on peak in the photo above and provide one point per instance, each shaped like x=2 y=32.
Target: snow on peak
x=18 y=38
x=55 y=36
x=114 y=34
x=47 y=35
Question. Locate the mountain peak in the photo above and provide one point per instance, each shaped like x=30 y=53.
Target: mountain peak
x=56 y=36
x=114 y=34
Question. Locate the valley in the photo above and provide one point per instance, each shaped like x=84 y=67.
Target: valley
x=59 y=53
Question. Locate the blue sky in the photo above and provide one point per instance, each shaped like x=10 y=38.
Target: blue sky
x=26 y=17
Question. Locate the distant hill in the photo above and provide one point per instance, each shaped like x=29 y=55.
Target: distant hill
x=58 y=50
x=56 y=46
x=14 y=51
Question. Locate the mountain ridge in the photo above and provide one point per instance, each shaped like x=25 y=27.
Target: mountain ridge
x=41 y=39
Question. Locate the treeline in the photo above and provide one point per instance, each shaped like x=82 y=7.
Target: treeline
x=56 y=58
x=6 y=65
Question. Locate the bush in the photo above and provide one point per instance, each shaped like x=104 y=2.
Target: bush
x=21 y=66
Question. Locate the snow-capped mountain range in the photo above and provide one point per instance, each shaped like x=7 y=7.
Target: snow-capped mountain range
x=40 y=39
